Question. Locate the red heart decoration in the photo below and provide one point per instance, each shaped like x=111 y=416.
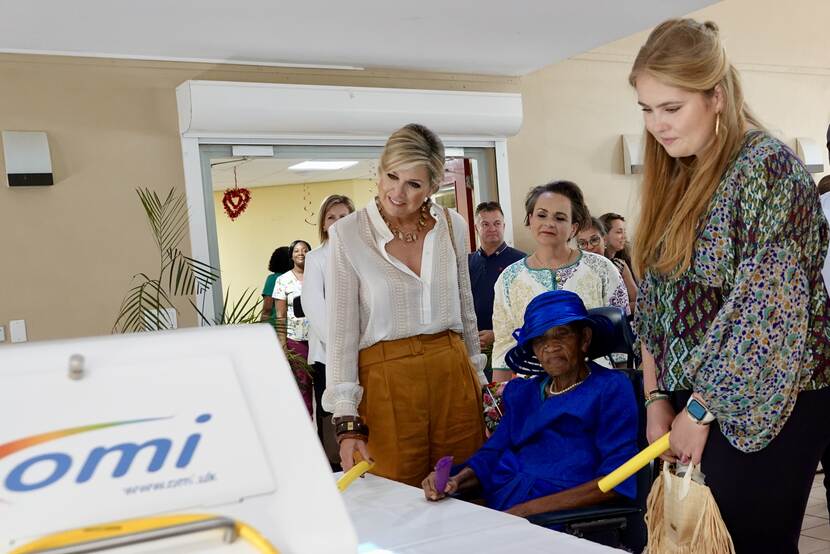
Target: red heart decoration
x=235 y=201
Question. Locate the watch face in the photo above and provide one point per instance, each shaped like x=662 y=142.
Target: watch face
x=696 y=410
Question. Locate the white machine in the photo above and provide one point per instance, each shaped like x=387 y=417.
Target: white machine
x=168 y=441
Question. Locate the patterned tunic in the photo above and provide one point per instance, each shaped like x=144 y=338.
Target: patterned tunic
x=594 y=278
x=746 y=326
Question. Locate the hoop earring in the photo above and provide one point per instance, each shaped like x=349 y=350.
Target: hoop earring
x=717 y=124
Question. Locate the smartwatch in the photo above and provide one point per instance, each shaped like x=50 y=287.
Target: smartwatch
x=698 y=412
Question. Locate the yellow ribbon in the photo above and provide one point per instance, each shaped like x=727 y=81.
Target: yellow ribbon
x=357 y=470
x=634 y=465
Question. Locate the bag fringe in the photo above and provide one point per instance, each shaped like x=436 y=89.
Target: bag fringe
x=654 y=515
x=711 y=534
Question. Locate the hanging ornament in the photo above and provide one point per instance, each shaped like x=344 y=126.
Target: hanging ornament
x=235 y=200
x=307 y=208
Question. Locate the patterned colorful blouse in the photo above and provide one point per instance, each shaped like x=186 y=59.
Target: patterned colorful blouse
x=746 y=326
x=594 y=278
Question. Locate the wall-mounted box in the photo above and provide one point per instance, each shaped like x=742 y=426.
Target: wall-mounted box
x=811 y=153
x=632 y=153
x=28 y=162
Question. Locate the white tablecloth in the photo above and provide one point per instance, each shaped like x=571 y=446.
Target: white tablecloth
x=390 y=517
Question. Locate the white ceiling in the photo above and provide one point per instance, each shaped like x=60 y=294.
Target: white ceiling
x=268 y=172
x=469 y=36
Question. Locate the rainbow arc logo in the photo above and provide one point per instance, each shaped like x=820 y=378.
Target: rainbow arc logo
x=53 y=466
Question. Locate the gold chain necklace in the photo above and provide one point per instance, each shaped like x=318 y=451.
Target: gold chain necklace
x=566 y=389
x=397 y=232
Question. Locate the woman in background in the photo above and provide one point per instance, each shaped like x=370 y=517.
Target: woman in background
x=333 y=208
x=617 y=248
x=554 y=212
x=292 y=330
x=279 y=263
x=593 y=239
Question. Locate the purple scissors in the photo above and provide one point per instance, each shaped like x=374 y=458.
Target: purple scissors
x=442 y=473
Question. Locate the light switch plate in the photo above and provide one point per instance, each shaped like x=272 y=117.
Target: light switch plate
x=17 y=330
x=2 y=333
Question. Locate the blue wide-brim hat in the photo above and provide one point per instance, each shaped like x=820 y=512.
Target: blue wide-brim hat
x=552 y=309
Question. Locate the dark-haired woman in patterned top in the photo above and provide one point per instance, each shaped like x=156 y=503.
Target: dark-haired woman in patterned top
x=732 y=310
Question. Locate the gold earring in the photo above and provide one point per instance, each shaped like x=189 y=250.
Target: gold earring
x=717 y=124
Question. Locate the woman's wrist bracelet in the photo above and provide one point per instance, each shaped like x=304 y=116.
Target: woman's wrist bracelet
x=350 y=425
x=651 y=401
x=357 y=436
x=656 y=395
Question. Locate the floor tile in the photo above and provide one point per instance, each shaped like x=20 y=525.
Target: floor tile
x=812 y=521
x=817 y=508
x=809 y=545
x=820 y=532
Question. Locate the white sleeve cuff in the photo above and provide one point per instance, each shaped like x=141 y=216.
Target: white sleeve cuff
x=342 y=399
x=479 y=362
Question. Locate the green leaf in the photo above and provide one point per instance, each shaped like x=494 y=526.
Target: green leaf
x=186 y=275
x=168 y=219
x=245 y=309
x=144 y=307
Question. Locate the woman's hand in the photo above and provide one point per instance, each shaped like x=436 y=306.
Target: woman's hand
x=430 y=491
x=521 y=510
x=659 y=418
x=688 y=438
x=486 y=338
x=348 y=447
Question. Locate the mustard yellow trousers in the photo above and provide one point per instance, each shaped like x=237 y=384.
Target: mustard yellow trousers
x=421 y=401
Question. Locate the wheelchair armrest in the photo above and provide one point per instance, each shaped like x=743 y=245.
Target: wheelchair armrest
x=578 y=515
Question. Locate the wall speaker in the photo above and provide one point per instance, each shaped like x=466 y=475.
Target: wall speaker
x=28 y=163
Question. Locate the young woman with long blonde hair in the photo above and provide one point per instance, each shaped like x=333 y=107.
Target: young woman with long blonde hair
x=732 y=311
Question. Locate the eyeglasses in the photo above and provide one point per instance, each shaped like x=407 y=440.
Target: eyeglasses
x=593 y=241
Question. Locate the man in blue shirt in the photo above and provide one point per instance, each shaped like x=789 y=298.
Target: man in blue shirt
x=486 y=264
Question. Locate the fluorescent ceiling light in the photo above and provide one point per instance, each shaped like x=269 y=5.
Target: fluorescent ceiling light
x=318 y=165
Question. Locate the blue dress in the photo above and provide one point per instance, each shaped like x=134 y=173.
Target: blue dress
x=544 y=446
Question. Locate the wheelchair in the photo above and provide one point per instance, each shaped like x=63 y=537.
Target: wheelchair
x=621 y=523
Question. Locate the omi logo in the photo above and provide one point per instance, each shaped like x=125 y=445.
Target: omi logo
x=38 y=472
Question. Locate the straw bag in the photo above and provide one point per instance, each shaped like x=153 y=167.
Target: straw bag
x=683 y=518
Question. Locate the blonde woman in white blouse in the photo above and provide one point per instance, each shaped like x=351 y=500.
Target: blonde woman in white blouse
x=402 y=383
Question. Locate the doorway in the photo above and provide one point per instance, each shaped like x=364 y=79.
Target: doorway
x=287 y=184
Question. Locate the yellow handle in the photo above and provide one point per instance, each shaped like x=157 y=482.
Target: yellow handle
x=132 y=526
x=634 y=465
x=357 y=470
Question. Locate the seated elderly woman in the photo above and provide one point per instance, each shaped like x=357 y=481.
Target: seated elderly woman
x=563 y=429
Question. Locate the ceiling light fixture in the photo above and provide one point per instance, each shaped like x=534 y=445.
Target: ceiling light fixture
x=319 y=165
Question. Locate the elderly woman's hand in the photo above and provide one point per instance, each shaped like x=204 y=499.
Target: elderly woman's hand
x=464 y=480
x=430 y=491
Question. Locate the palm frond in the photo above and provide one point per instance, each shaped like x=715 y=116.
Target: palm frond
x=144 y=307
x=186 y=275
x=146 y=304
x=245 y=309
x=168 y=218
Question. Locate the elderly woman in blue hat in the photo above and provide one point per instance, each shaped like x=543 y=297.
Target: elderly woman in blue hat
x=562 y=430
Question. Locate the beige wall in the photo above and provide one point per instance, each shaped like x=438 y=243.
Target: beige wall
x=575 y=111
x=275 y=217
x=69 y=250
